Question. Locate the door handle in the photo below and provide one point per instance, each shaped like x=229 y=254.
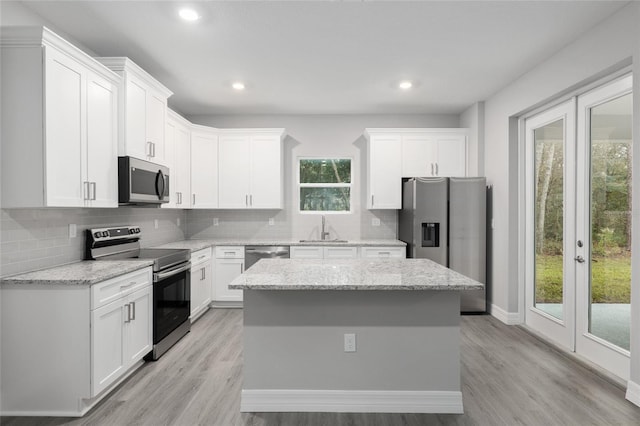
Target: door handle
x=579 y=259
x=92 y=185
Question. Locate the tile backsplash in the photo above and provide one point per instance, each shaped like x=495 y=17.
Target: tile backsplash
x=39 y=238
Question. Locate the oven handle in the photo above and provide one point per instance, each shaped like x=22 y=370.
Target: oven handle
x=171 y=272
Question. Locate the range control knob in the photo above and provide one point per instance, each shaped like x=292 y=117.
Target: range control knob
x=105 y=233
x=97 y=234
x=132 y=230
x=137 y=230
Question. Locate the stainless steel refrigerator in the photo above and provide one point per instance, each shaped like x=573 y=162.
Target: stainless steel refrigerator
x=444 y=219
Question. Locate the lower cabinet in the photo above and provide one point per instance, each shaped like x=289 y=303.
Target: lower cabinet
x=121 y=336
x=72 y=343
x=347 y=252
x=201 y=282
x=229 y=264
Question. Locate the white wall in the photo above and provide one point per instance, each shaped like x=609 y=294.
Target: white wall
x=607 y=47
x=309 y=136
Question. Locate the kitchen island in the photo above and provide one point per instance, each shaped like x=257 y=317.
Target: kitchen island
x=352 y=335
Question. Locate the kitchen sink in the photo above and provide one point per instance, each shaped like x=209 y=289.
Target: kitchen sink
x=324 y=241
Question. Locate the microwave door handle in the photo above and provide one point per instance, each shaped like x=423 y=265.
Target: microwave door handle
x=159 y=187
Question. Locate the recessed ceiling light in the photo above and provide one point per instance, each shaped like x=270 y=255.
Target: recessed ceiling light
x=238 y=85
x=405 y=85
x=189 y=14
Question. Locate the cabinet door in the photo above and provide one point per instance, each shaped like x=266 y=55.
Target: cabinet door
x=419 y=152
x=234 y=171
x=451 y=151
x=385 y=172
x=266 y=172
x=65 y=128
x=207 y=285
x=108 y=359
x=226 y=271
x=182 y=167
x=139 y=328
x=156 y=119
x=340 y=252
x=170 y=161
x=204 y=171
x=102 y=142
x=197 y=295
x=136 y=119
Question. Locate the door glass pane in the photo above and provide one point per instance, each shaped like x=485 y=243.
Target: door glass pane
x=549 y=216
x=610 y=269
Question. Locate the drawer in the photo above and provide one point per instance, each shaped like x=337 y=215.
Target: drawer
x=306 y=252
x=230 y=252
x=340 y=252
x=201 y=255
x=383 y=252
x=115 y=288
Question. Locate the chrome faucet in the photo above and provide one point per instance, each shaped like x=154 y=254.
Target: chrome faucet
x=324 y=234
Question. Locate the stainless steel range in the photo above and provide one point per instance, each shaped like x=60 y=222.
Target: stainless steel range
x=171 y=280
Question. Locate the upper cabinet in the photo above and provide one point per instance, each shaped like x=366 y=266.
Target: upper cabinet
x=250 y=169
x=396 y=153
x=178 y=159
x=143 y=111
x=204 y=167
x=434 y=153
x=384 y=170
x=59 y=123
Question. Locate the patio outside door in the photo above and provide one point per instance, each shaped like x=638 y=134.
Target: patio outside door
x=578 y=224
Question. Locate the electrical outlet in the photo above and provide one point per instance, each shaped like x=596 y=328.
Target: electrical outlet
x=350 y=342
x=178 y=222
x=272 y=221
x=155 y=224
x=73 y=232
x=215 y=221
x=375 y=222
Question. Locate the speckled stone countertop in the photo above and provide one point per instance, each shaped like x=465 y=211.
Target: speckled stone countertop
x=87 y=272
x=352 y=274
x=195 y=245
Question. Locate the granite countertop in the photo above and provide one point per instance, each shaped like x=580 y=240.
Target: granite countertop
x=87 y=272
x=195 y=245
x=352 y=274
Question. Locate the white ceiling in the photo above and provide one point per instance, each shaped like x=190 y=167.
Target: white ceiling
x=329 y=57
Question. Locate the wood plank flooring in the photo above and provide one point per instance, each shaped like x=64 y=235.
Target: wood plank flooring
x=508 y=378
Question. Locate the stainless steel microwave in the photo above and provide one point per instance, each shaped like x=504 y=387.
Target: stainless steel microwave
x=142 y=182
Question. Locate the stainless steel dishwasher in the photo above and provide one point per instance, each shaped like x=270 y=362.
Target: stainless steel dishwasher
x=254 y=253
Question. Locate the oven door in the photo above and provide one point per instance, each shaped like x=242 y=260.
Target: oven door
x=171 y=300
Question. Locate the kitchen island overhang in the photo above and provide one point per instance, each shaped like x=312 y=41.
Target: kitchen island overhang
x=404 y=314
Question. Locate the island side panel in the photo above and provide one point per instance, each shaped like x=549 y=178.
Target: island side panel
x=406 y=340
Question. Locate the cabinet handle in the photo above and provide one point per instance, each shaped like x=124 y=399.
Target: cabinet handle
x=133 y=316
x=193 y=203
x=86 y=190
x=437 y=169
x=246 y=200
x=93 y=192
x=149 y=149
x=202 y=274
x=371 y=200
x=251 y=200
x=128 y=313
x=432 y=170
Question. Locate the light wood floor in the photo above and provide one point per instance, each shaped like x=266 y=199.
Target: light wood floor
x=508 y=378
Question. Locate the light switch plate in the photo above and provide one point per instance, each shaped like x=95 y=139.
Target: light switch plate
x=215 y=221
x=155 y=224
x=375 y=222
x=271 y=221
x=350 y=342
x=178 y=222
x=73 y=231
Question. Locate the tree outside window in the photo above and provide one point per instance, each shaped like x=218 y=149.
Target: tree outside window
x=325 y=184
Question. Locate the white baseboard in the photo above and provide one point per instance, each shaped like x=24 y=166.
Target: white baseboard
x=633 y=392
x=509 y=318
x=357 y=401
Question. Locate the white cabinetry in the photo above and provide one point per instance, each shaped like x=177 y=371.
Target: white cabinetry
x=383 y=252
x=178 y=159
x=434 y=152
x=384 y=174
x=250 y=169
x=92 y=338
x=59 y=123
x=201 y=282
x=204 y=167
x=143 y=111
x=229 y=265
x=323 y=252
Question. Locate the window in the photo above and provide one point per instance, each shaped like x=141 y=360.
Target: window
x=325 y=184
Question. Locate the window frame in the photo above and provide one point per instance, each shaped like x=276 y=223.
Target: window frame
x=300 y=185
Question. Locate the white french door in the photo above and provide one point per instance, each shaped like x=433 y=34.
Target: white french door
x=550 y=177
x=578 y=224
